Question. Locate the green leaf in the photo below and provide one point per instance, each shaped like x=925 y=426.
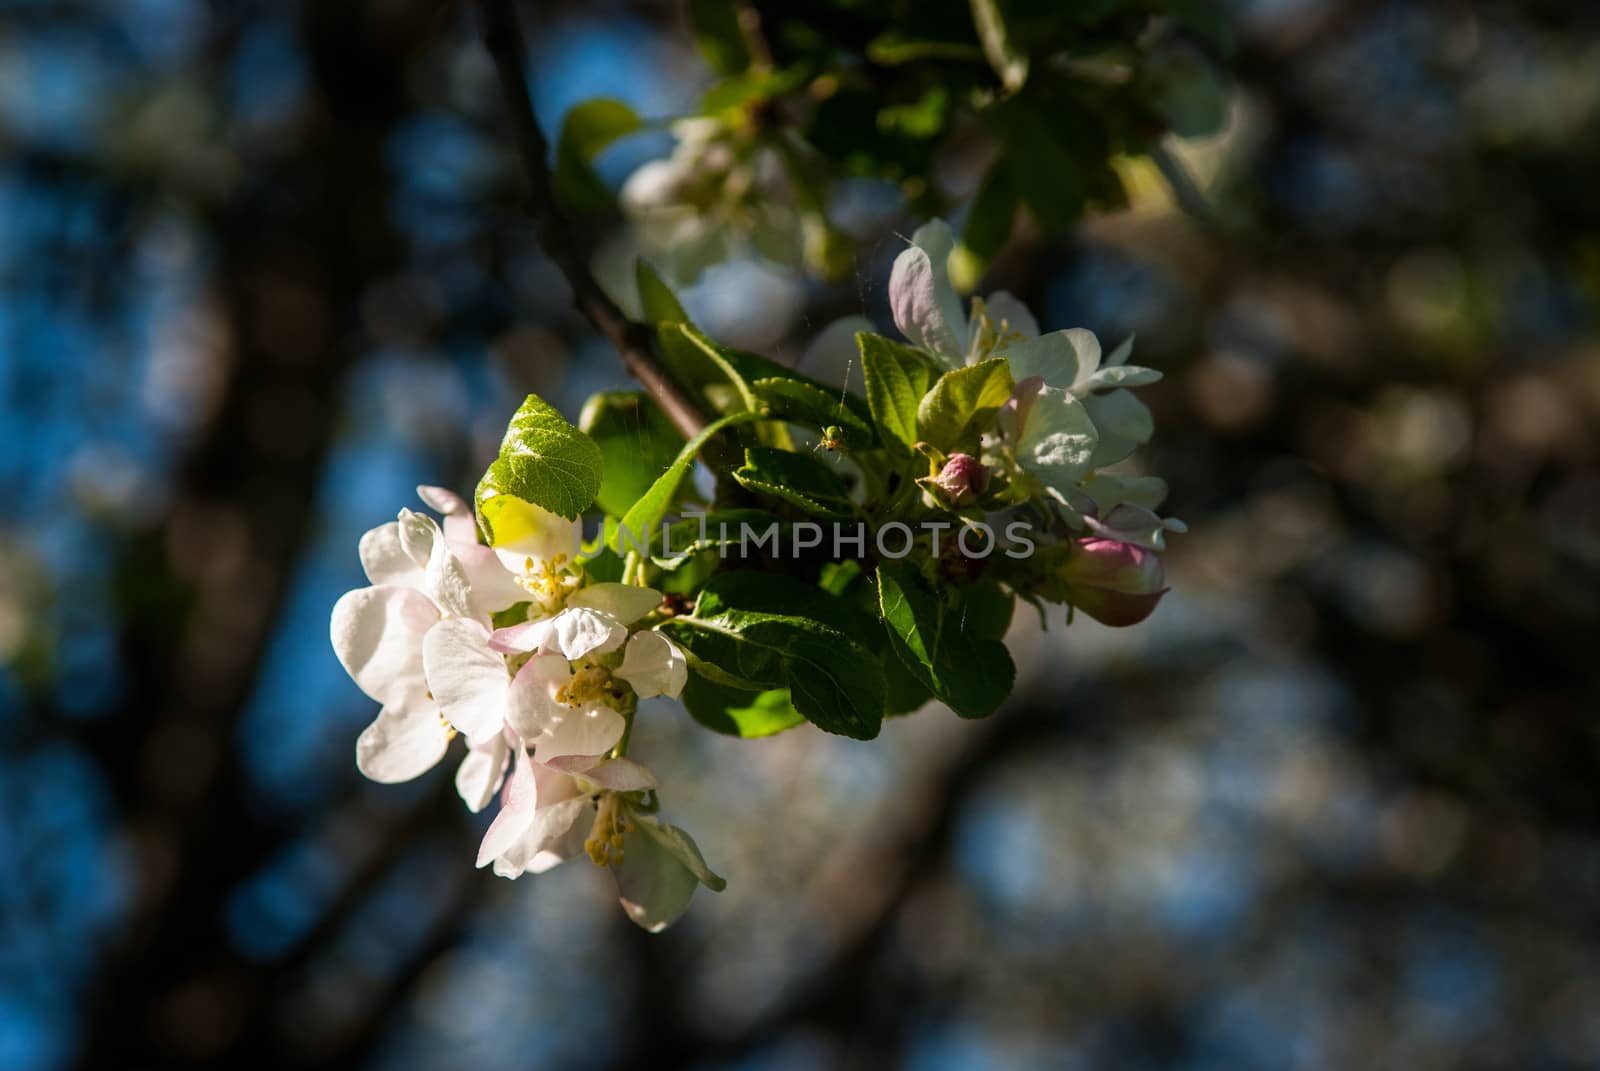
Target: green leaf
x=585 y=132
x=636 y=442
x=962 y=405
x=798 y=479
x=706 y=367
x=656 y=300
x=1008 y=61
x=643 y=517
x=897 y=377
x=737 y=712
x=543 y=460
x=751 y=630
x=903 y=691
x=802 y=402
x=970 y=672
x=718 y=36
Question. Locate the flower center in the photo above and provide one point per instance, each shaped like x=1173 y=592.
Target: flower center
x=590 y=684
x=611 y=823
x=547 y=581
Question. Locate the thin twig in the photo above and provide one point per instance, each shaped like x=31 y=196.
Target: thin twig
x=502 y=36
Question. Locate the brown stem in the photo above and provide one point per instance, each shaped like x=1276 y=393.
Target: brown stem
x=502 y=36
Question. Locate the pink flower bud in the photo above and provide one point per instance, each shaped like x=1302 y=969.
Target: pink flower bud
x=962 y=473
x=962 y=478
x=1114 y=583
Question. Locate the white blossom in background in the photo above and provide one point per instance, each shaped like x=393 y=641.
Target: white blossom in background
x=1070 y=414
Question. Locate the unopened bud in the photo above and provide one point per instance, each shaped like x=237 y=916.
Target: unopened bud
x=1115 y=583
x=962 y=478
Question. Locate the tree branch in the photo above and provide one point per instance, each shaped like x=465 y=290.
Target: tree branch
x=502 y=36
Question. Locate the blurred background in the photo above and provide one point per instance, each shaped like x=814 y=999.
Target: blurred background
x=262 y=271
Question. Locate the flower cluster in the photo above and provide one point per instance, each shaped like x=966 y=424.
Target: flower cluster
x=1069 y=418
x=540 y=671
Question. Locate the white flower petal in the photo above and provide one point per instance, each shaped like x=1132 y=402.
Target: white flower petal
x=619 y=775
x=926 y=307
x=446 y=582
x=1122 y=375
x=385 y=560
x=660 y=869
x=578 y=631
x=493 y=588
x=1121 y=354
x=653 y=665
x=625 y=602
x=517 y=810
x=378 y=635
x=1109 y=490
x=1131 y=524
x=401 y=745
x=479 y=776
x=418 y=533
x=531 y=702
x=1061 y=358
x=1056 y=439
x=592 y=729
x=467 y=678
x=1123 y=422
x=654 y=887
x=1010 y=315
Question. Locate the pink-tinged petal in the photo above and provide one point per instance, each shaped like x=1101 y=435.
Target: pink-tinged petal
x=468 y=679
x=385 y=560
x=619 y=775
x=625 y=602
x=593 y=729
x=654 y=665
x=401 y=745
x=458 y=524
x=546 y=840
x=1115 y=583
x=531 y=701
x=378 y=635
x=523 y=638
x=578 y=631
x=1013 y=416
x=481 y=773
x=517 y=810
x=1009 y=314
x=926 y=307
